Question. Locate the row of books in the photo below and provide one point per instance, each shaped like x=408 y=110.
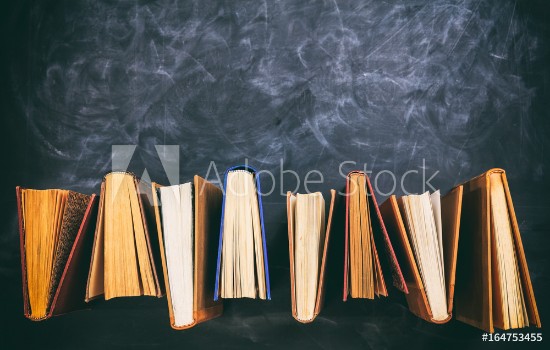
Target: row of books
x=199 y=245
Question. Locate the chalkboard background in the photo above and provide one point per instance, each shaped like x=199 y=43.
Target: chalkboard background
x=450 y=88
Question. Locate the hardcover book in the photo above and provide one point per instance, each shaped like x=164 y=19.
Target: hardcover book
x=242 y=268
x=308 y=240
x=365 y=238
x=188 y=222
x=56 y=232
x=493 y=286
x=425 y=230
x=124 y=261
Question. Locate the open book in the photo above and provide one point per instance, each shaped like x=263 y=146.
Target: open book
x=493 y=284
x=365 y=239
x=188 y=219
x=308 y=240
x=242 y=270
x=55 y=236
x=425 y=229
x=122 y=261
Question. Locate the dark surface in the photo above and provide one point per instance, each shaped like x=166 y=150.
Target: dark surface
x=462 y=85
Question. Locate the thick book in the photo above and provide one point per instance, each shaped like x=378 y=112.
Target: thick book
x=188 y=222
x=124 y=258
x=242 y=268
x=424 y=230
x=493 y=287
x=365 y=234
x=56 y=231
x=308 y=240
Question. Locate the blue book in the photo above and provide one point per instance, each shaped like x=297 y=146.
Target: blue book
x=243 y=277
